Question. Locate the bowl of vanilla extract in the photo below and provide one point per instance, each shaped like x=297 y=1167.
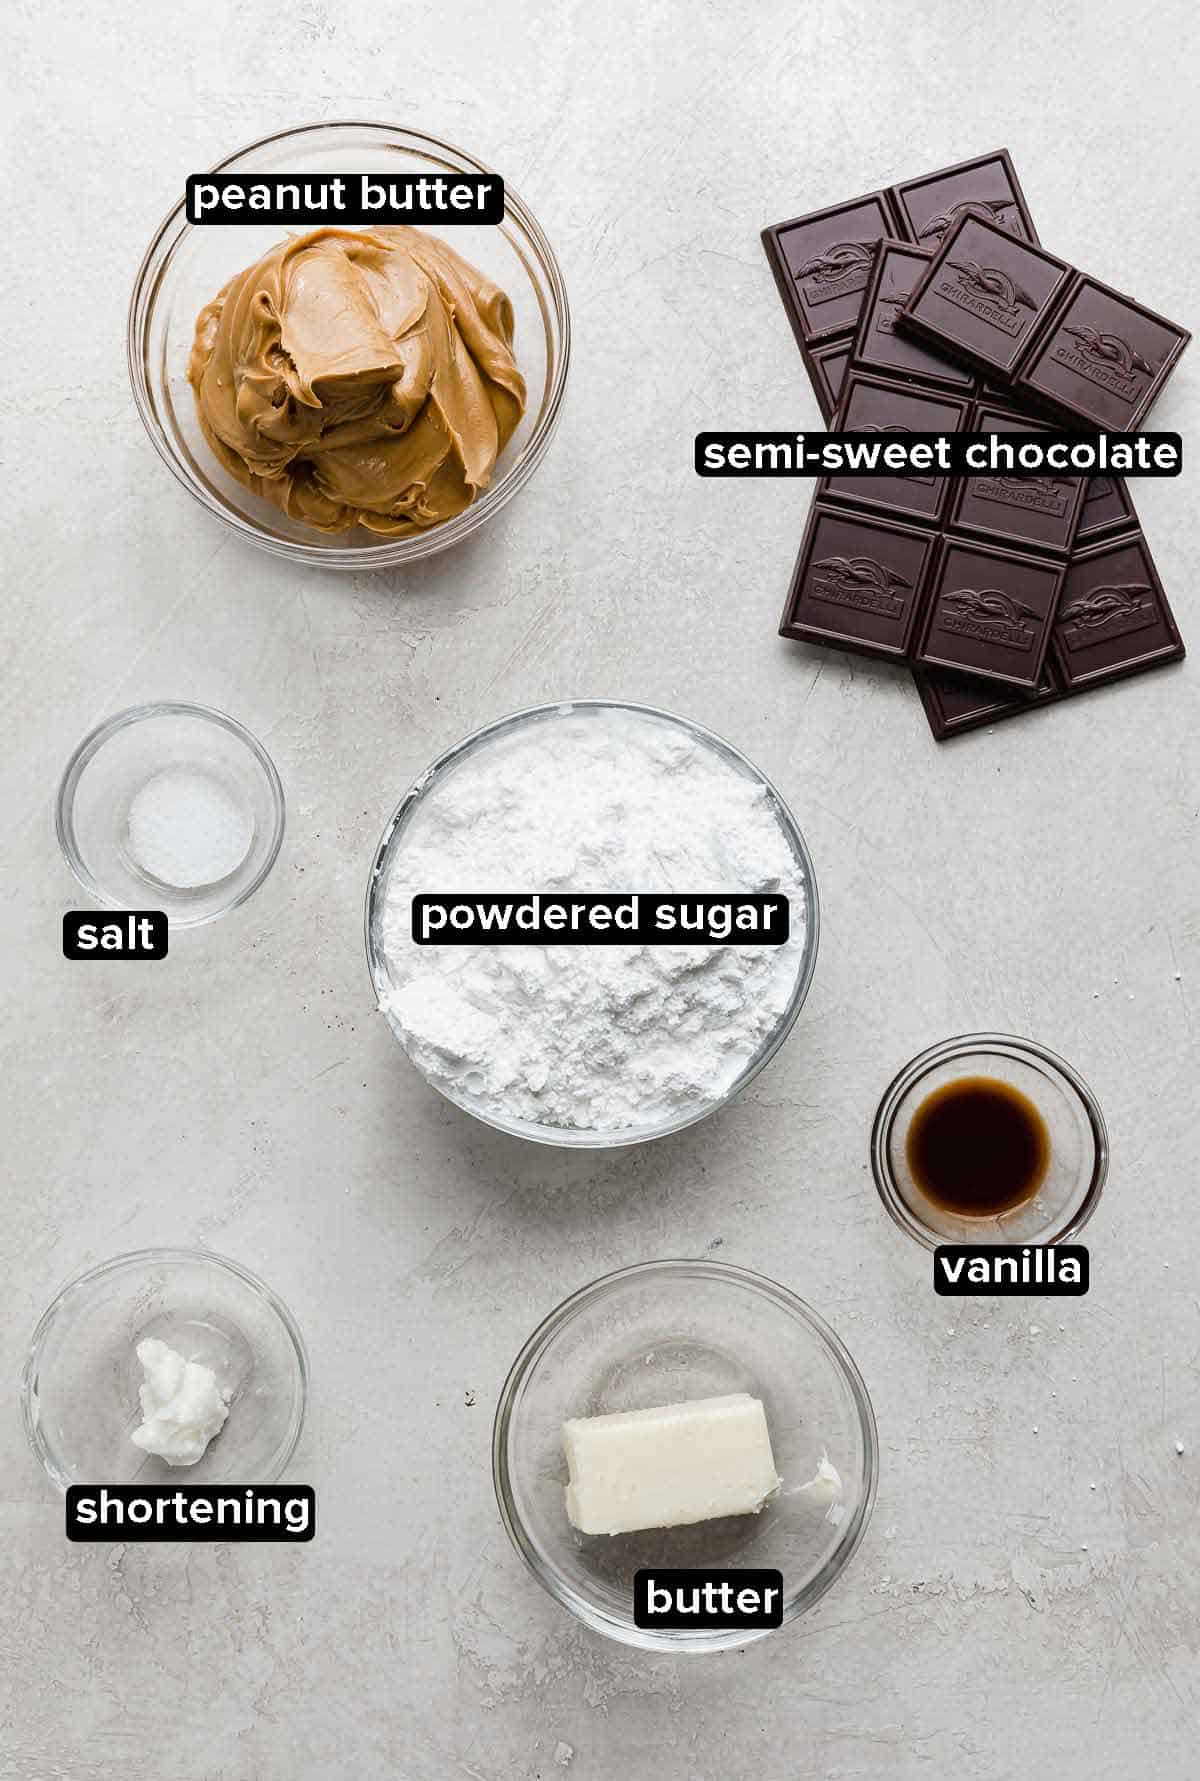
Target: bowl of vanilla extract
x=989 y=1138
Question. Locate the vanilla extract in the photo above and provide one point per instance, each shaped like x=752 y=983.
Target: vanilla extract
x=977 y=1147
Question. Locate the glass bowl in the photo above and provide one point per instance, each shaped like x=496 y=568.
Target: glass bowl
x=1078 y=1164
x=79 y=1393
x=388 y=852
x=127 y=753
x=665 y=1332
x=185 y=266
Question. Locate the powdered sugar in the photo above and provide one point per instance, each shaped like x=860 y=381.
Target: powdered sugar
x=590 y=1036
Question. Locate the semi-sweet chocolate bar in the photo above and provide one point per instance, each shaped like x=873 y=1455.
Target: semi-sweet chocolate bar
x=821 y=262
x=1003 y=510
x=1054 y=337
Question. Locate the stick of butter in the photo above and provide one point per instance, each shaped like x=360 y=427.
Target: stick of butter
x=669 y=1466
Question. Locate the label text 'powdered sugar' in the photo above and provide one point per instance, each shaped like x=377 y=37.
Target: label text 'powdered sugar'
x=606 y=918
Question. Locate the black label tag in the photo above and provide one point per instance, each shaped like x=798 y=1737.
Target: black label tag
x=343 y=198
x=191 y=1512
x=710 y=1601
x=1010 y=1270
x=122 y=934
x=602 y=918
x=894 y=451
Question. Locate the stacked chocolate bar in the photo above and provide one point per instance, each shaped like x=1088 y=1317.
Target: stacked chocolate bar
x=931 y=307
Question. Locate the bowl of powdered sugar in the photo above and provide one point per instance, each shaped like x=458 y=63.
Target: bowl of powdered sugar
x=590 y=1043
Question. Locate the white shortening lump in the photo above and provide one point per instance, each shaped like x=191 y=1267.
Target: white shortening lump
x=182 y=1405
x=596 y=1036
x=670 y=1466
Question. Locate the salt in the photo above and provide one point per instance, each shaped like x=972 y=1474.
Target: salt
x=186 y=830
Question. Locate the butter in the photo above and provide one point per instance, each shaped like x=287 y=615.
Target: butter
x=182 y=1405
x=668 y=1466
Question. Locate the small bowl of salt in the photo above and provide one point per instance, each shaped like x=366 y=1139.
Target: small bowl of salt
x=173 y=807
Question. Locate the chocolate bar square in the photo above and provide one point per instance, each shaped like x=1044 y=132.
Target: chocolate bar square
x=986 y=186
x=1114 y=618
x=827 y=371
x=955 y=703
x=1104 y=358
x=1038 y=512
x=989 y=612
x=857 y=583
x=877 y=344
x=983 y=295
x=875 y=406
x=822 y=263
x=1107 y=507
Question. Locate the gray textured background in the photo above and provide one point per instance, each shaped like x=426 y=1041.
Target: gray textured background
x=1043 y=877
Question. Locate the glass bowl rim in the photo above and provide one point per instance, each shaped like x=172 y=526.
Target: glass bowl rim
x=998 y=1044
x=85 y=752
x=387 y=553
x=532 y=1351
x=148 y=1258
x=572 y=1137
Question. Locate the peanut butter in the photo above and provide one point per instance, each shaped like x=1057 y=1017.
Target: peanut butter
x=359 y=379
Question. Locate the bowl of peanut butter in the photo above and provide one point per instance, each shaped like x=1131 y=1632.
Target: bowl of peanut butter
x=358 y=395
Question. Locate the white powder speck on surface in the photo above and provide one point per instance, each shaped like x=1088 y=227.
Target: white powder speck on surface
x=187 y=830
x=598 y=1037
